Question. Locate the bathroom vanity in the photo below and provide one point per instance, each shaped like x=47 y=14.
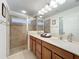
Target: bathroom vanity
x=52 y=48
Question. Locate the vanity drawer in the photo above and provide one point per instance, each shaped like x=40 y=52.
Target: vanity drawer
x=64 y=54
x=47 y=45
x=61 y=52
x=38 y=41
x=76 y=57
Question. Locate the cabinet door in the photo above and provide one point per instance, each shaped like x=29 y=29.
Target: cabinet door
x=55 y=56
x=46 y=53
x=76 y=57
x=34 y=47
x=31 y=48
x=38 y=50
x=38 y=47
x=38 y=55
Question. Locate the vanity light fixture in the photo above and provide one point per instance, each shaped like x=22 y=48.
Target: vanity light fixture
x=53 y=4
x=50 y=5
x=23 y=11
x=40 y=16
x=48 y=8
x=43 y=10
x=60 y=1
x=40 y=12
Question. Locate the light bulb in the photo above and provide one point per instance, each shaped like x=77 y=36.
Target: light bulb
x=48 y=8
x=53 y=4
x=40 y=16
x=44 y=11
x=61 y=1
x=23 y=11
x=40 y=12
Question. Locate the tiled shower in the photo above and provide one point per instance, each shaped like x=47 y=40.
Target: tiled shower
x=19 y=33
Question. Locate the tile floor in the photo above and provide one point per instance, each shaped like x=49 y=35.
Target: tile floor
x=17 y=49
x=25 y=54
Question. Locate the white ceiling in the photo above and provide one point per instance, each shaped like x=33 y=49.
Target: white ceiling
x=33 y=6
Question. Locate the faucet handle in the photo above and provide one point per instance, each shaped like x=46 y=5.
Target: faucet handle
x=69 y=38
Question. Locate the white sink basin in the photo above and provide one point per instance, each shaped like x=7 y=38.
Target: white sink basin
x=75 y=42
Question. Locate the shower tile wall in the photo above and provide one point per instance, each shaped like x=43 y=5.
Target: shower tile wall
x=18 y=39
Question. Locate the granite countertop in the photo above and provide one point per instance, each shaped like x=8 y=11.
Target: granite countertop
x=68 y=46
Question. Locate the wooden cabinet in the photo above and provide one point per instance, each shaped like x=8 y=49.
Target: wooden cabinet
x=31 y=48
x=46 y=53
x=56 y=51
x=55 y=56
x=34 y=47
x=44 y=50
x=76 y=57
x=62 y=53
x=38 y=48
x=38 y=55
x=33 y=44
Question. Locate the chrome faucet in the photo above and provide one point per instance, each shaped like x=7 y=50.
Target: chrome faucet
x=69 y=37
x=60 y=37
